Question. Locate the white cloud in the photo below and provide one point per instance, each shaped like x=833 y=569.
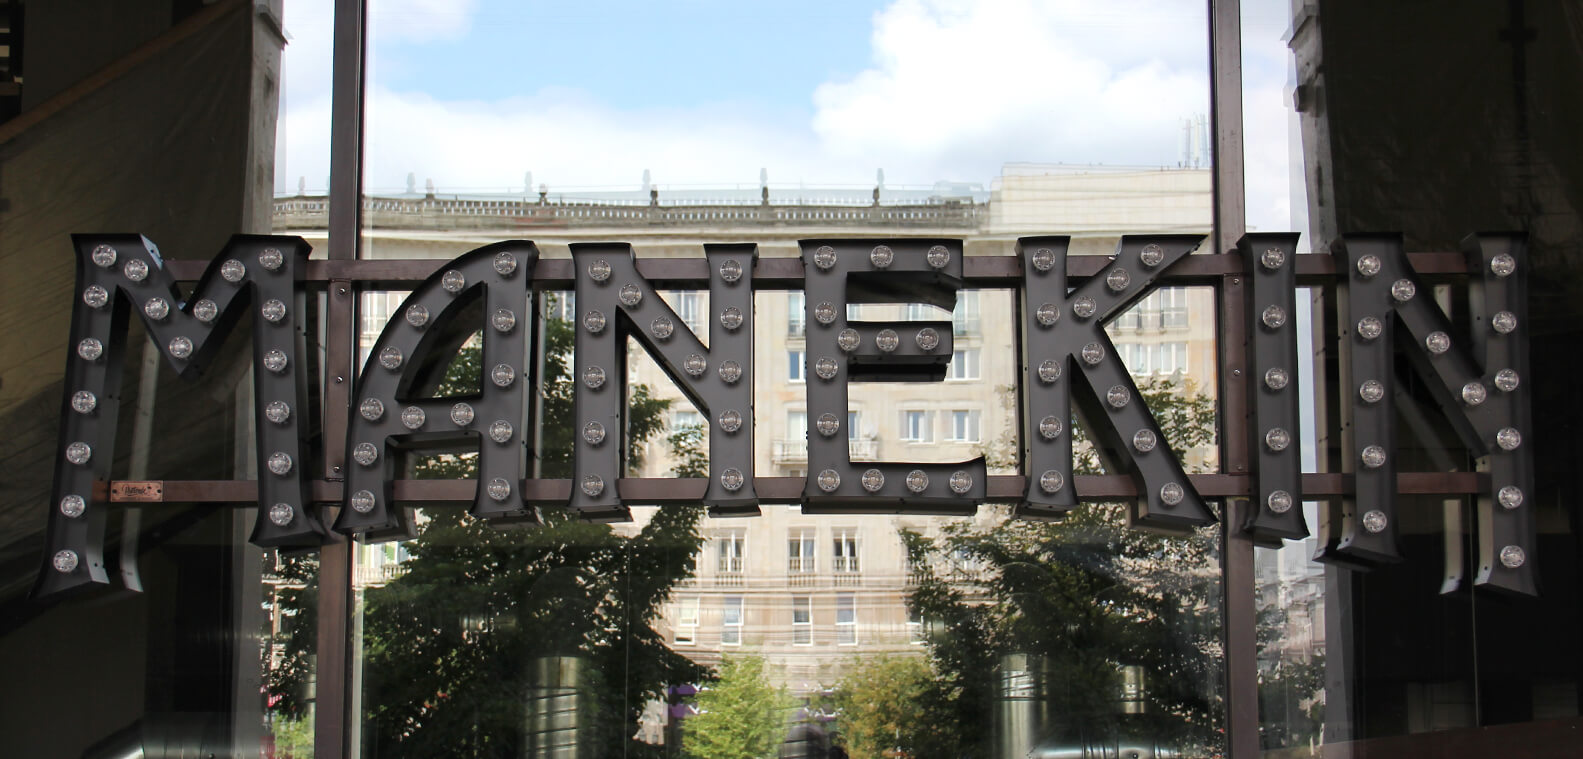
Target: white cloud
x=954 y=90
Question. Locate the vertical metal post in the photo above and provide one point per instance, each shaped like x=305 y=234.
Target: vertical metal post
x=340 y=339
x=1230 y=199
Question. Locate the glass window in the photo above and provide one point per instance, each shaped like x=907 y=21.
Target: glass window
x=964 y=364
x=854 y=427
x=800 y=557
x=687 y=621
x=560 y=305
x=689 y=306
x=730 y=548
x=917 y=426
x=797 y=425
x=731 y=621
x=915 y=627
x=795 y=366
x=846 y=619
x=965 y=319
x=845 y=555
x=1173 y=307
x=686 y=419
x=964 y=426
x=802 y=620
x=796 y=314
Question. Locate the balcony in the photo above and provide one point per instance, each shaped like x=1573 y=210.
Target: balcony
x=729 y=572
x=801 y=571
x=847 y=570
x=377 y=575
x=796 y=451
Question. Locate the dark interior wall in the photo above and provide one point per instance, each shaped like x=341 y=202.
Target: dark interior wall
x=163 y=151
x=175 y=147
x=1438 y=119
x=67 y=40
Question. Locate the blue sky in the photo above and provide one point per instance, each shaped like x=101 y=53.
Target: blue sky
x=474 y=94
x=637 y=54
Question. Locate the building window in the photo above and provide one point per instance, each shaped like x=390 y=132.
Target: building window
x=846 y=619
x=914 y=625
x=965 y=320
x=1172 y=358
x=964 y=364
x=964 y=426
x=687 y=621
x=689 y=306
x=730 y=548
x=797 y=426
x=560 y=305
x=685 y=419
x=1173 y=306
x=802 y=620
x=794 y=366
x=917 y=426
x=796 y=314
x=853 y=420
x=376 y=310
x=800 y=559
x=1132 y=319
x=845 y=556
x=731 y=622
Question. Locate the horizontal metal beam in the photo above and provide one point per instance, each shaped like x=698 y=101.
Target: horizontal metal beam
x=771 y=490
x=787 y=273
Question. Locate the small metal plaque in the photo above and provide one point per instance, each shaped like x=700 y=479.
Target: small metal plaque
x=137 y=491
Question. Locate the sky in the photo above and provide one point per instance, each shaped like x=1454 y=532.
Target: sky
x=475 y=94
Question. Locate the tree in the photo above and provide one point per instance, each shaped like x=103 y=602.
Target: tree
x=891 y=702
x=741 y=716
x=458 y=650
x=1080 y=598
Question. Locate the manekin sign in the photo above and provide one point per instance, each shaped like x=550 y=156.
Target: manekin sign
x=1384 y=309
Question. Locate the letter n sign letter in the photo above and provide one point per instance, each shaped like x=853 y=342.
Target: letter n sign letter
x=615 y=301
x=1066 y=352
x=117 y=271
x=841 y=351
x=1481 y=391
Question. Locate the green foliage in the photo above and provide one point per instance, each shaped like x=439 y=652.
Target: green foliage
x=1082 y=597
x=293 y=737
x=741 y=716
x=687 y=449
x=892 y=702
x=296 y=601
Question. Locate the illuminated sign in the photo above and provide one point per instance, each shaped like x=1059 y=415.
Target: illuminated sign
x=1069 y=370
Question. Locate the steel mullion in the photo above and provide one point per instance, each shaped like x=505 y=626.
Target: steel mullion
x=1230 y=214
x=331 y=715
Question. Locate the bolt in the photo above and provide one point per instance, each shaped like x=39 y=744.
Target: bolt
x=1236 y=372
x=1236 y=281
x=341 y=290
x=339 y=380
x=336 y=469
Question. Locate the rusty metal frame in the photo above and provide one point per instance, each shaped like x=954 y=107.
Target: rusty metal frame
x=1223 y=270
